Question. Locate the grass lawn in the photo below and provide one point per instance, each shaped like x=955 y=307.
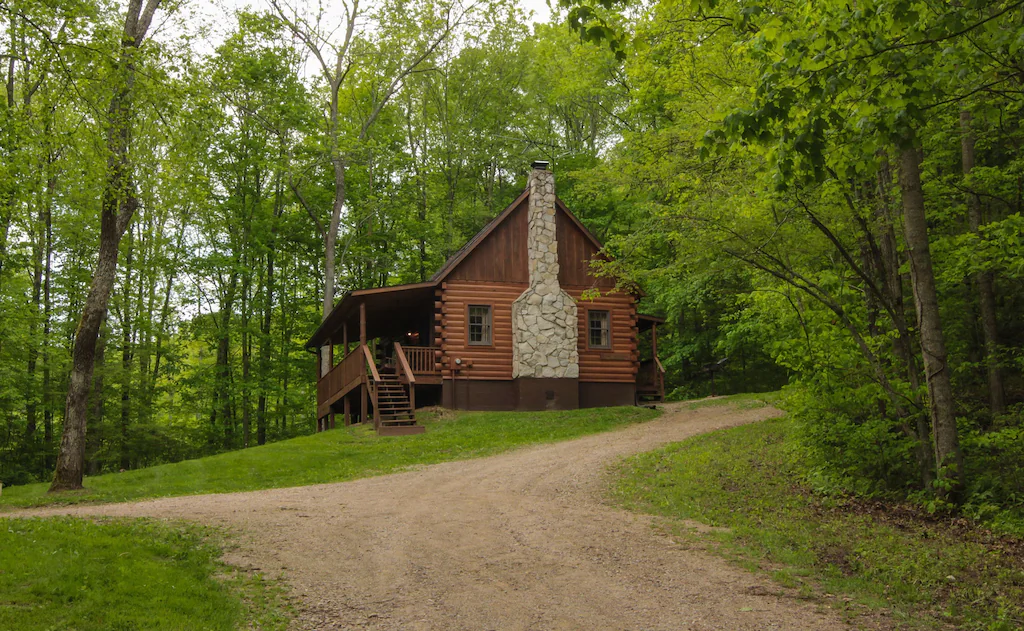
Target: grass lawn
x=904 y=568
x=125 y=575
x=340 y=454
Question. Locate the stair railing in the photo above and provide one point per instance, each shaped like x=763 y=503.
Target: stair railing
x=661 y=378
x=372 y=381
x=406 y=376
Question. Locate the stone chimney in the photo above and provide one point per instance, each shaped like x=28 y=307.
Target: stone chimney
x=544 y=316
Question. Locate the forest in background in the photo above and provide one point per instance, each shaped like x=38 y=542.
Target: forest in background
x=818 y=194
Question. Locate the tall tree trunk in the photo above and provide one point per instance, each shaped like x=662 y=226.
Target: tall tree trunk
x=96 y=395
x=47 y=311
x=165 y=310
x=983 y=280
x=264 y=350
x=268 y=310
x=902 y=344
x=126 y=358
x=222 y=394
x=38 y=246
x=118 y=205
x=246 y=360
x=948 y=457
x=8 y=196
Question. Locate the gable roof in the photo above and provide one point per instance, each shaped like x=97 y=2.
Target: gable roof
x=454 y=260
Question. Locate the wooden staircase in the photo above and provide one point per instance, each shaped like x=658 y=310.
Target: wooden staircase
x=395 y=409
x=650 y=382
x=395 y=406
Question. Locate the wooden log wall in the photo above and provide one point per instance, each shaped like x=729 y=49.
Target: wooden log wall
x=488 y=362
x=619 y=363
x=494 y=362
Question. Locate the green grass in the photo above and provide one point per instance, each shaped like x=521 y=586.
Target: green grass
x=125 y=575
x=338 y=455
x=749 y=401
x=889 y=560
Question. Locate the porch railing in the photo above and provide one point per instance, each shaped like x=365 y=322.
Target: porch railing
x=421 y=359
x=349 y=373
x=405 y=374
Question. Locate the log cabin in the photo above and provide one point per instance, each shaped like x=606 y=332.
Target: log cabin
x=510 y=322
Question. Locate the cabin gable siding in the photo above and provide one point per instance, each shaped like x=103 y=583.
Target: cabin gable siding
x=501 y=256
x=575 y=251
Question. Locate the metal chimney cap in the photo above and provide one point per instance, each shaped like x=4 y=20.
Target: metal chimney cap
x=540 y=164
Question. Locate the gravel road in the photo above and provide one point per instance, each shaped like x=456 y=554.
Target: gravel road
x=518 y=541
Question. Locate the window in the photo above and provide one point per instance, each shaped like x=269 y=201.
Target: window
x=599 y=329
x=480 y=325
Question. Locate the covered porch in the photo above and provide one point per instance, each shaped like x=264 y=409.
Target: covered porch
x=650 y=376
x=375 y=350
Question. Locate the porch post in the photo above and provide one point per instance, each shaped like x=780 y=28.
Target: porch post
x=363 y=417
x=654 y=351
x=348 y=410
x=344 y=336
x=362 y=322
x=329 y=422
x=363 y=409
x=319 y=376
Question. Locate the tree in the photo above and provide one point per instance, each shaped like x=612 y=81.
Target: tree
x=406 y=35
x=117 y=207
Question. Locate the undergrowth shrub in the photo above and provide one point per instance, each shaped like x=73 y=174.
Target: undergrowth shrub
x=848 y=446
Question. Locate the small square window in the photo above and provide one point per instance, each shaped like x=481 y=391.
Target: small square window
x=599 y=329
x=480 y=325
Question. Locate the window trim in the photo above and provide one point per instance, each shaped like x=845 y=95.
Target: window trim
x=611 y=342
x=490 y=311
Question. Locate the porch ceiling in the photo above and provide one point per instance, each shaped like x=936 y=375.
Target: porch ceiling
x=645 y=322
x=390 y=311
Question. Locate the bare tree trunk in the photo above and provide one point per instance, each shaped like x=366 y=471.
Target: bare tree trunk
x=268 y=310
x=126 y=358
x=96 y=395
x=948 y=457
x=983 y=280
x=331 y=237
x=38 y=246
x=71 y=459
x=902 y=345
x=118 y=206
x=246 y=359
x=47 y=310
x=222 y=396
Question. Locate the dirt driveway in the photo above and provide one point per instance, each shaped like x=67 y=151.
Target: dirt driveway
x=521 y=540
